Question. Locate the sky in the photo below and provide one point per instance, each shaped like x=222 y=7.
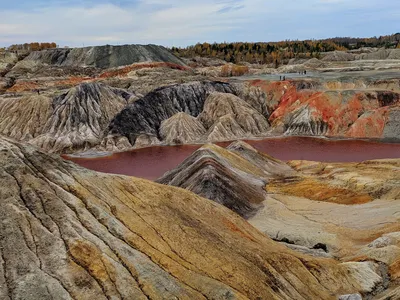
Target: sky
x=79 y=23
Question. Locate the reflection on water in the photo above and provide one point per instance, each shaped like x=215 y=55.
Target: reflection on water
x=151 y=163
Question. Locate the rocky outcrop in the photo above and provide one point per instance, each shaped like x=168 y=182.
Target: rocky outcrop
x=102 y=57
x=146 y=115
x=199 y=61
x=146 y=79
x=115 y=143
x=233 y=178
x=339 y=61
x=70 y=233
x=79 y=118
x=351 y=297
x=362 y=108
x=181 y=129
x=120 y=143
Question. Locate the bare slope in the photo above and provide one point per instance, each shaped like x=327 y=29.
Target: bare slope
x=227 y=177
x=102 y=57
x=348 y=211
x=146 y=114
x=219 y=105
x=23 y=118
x=79 y=118
x=181 y=128
x=73 y=121
x=69 y=233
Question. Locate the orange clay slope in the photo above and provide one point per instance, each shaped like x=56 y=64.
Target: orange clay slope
x=341 y=113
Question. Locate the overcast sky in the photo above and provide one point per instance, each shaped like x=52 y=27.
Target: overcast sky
x=186 y=22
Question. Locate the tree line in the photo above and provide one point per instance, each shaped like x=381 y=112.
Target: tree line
x=32 y=46
x=281 y=52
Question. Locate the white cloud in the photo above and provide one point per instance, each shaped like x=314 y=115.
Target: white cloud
x=171 y=22
x=73 y=25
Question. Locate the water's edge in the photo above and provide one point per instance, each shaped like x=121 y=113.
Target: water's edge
x=152 y=162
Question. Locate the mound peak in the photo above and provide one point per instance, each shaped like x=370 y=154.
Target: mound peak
x=225 y=129
x=234 y=178
x=79 y=118
x=219 y=105
x=181 y=128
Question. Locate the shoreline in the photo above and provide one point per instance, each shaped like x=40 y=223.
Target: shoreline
x=105 y=154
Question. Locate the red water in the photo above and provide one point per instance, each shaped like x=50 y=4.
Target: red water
x=151 y=163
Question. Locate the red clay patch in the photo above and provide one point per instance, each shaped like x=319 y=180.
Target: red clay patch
x=23 y=87
x=371 y=126
x=232 y=227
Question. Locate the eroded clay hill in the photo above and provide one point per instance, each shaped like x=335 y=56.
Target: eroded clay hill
x=263 y=108
x=23 y=118
x=117 y=66
x=70 y=233
x=98 y=115
x=353 y=109
x=195 y=112
x=102 y=57
x=344 y=211
x=181 y=128
x=72 y=121
x=73 y=100
x=145 y=116
x=227 y=177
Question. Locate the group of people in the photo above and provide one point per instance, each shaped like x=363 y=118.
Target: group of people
x=283 y=78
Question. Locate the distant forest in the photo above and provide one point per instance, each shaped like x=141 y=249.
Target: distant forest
x=32 y=46
x=282 y=52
